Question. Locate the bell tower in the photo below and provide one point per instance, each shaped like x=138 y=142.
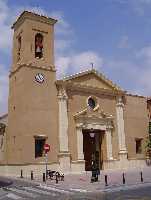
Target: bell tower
x=33 y=102
x=33 y=41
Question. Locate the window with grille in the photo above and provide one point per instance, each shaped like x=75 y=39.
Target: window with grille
x=138 y=146
x=39 y=147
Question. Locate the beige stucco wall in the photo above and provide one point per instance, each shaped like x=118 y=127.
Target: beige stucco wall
x=136 y=124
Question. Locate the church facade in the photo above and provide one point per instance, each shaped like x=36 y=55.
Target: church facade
x=83 y=117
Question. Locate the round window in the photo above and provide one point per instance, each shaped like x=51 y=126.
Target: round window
x=91 y=103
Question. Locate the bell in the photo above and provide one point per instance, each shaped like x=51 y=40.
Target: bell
x=38 y=50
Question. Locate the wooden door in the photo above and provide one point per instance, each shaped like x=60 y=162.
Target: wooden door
x=88 y=149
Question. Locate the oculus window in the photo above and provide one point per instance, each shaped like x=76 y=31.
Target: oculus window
x=92 y=102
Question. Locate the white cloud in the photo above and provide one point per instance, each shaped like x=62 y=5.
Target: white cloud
x=78 y=62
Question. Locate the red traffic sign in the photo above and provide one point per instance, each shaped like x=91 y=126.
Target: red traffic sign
x=47 y=148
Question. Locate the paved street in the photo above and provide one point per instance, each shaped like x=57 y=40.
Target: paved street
x=45 y=192
x=33 y=192
x=79 y=187
x=142 y=193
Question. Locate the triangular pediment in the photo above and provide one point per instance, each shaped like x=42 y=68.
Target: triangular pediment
x=92 y=113
x=92 y=78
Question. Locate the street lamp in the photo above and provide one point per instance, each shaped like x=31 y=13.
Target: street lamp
x=92 y=134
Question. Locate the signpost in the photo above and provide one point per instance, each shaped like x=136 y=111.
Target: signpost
x=46 y=149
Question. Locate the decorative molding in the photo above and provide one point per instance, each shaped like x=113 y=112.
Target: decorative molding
x=72 y=86
x=97 y=74
x=40 y=31
x=62 y=94
x=30 y=65
x=64 y=154
x=78 y=161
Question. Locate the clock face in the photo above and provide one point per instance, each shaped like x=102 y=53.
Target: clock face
x=39 y=78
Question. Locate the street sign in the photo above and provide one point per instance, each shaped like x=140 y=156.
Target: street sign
x=47 y=148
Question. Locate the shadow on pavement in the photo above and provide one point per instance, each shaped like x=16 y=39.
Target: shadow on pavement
x=4 y=182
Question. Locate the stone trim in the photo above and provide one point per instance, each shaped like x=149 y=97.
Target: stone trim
x=20 y=65
x=64 y=154
x=93 y=122
x=27 y=164
x=97 y=74
x=71 y=86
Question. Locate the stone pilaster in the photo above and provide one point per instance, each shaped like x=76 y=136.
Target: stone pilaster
x=120 y=128
x=109 y=143
x=64 y=155
x=63 y=121
x=80 y=143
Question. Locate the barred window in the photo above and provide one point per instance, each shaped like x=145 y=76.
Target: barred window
x=138 y=146
x=39 y=147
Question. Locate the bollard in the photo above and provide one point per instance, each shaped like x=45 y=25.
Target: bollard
x=44 y=178
x=106 y=184
x=21 y=173
x=32 y=175
x=56 y=177
x=123 y=178
x=141 y=176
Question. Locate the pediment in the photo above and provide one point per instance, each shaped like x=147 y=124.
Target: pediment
x=92 y=113
x=93 y=79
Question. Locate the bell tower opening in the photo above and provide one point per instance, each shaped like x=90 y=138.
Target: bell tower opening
x=38 y=45
x=33 y=38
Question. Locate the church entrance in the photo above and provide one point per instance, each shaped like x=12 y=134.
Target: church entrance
x=92 y=140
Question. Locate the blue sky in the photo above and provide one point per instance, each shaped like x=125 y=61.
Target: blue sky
x=113 y=34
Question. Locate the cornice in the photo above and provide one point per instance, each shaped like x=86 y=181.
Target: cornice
x=72 y=86
x=46 y=68
x=33 y=16
x=92 y=71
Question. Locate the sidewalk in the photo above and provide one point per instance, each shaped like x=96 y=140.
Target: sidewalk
x=81 y=182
